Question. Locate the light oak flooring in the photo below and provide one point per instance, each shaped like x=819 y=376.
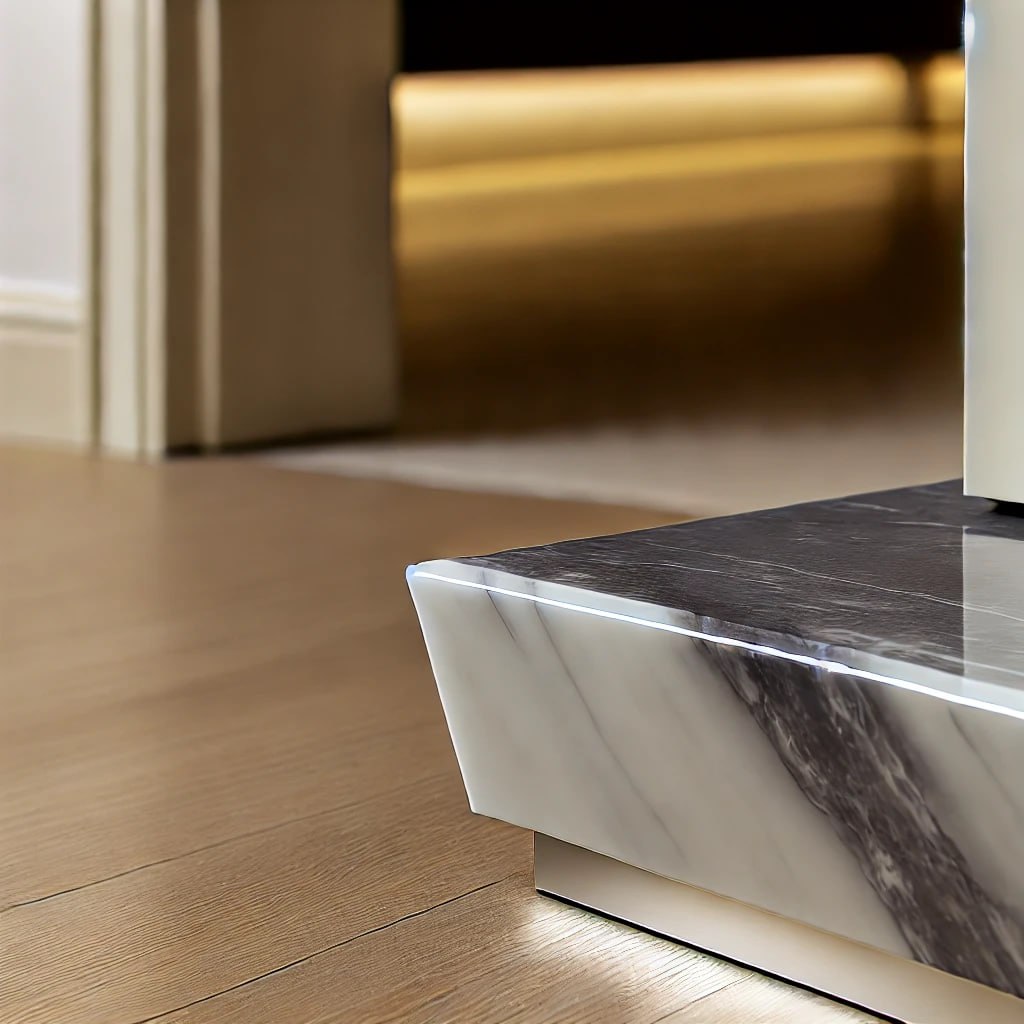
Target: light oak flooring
x=226 y=789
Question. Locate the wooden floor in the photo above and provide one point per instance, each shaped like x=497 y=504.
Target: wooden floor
x=226 y=789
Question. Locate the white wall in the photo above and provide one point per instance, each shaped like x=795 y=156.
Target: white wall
x=43 y=119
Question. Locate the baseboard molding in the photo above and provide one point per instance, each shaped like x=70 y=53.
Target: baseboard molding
x=45 y=372
x=39 y=307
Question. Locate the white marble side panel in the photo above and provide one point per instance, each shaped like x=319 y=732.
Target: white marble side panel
x=626 y=741
x=881 y=808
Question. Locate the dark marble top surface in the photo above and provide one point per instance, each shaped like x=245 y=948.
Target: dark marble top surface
x=921 y=575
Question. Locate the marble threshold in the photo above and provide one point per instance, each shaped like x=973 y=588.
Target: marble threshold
x=814 y=714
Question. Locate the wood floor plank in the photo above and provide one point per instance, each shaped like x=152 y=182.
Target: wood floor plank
x=501 y=954
x=759 y=1000
x=226 y=787
x=506 y=954
x=155 y=779
x=156 y=939
x=197 y=650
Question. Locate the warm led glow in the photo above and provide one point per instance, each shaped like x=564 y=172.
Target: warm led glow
x=525 y=159
x=442 y=120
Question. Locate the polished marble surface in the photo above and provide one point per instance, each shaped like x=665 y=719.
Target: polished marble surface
x=818 y=710
x=881 y=574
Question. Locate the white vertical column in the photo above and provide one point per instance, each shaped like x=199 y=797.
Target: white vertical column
x=994 y=427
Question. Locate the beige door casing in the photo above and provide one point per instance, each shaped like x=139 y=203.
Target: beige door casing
x=239 y=278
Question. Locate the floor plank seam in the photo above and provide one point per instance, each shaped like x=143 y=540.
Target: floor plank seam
x=327 y=949
x=203 y=849
x=700 y=999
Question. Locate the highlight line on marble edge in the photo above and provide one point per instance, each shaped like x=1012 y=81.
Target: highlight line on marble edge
x=724 y=641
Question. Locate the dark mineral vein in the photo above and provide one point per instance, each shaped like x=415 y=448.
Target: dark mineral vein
x=856 y=768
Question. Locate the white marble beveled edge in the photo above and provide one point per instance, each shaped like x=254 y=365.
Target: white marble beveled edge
x=930 y=682
x=851 y=971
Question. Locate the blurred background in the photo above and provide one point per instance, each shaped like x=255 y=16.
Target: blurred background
x=695 y=257
x=259 y=259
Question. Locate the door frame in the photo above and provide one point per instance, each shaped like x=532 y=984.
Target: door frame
x=238 y=280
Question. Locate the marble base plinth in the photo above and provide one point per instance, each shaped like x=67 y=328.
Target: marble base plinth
x=816 y=712
x=853 y=973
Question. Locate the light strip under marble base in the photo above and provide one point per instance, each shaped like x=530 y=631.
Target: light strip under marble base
x=815 y=711
x=847 y=971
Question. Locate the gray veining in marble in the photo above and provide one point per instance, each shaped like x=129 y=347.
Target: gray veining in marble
x=879 y=573
x=817 y=710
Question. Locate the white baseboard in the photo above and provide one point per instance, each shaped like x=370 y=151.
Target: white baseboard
x=39 y=306
x=45 y=371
